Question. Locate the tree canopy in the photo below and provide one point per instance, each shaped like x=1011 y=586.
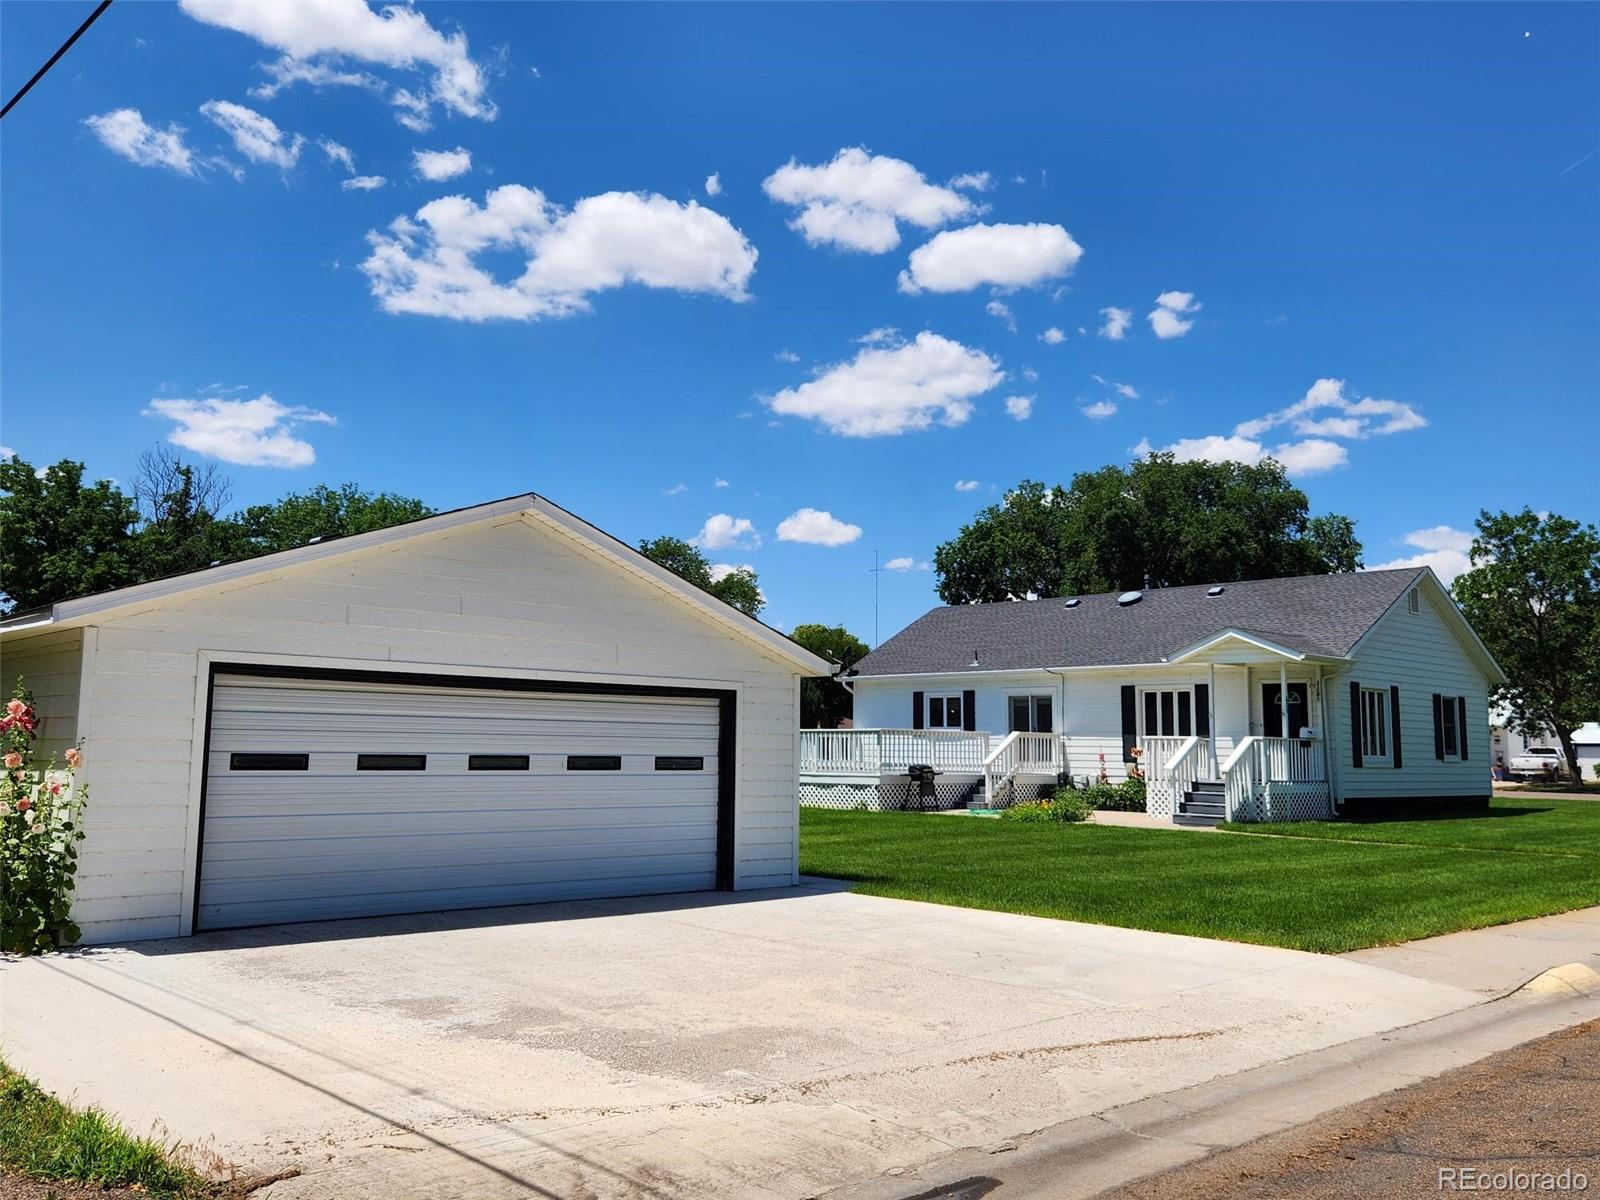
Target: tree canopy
x=1533 y=595
x=61 y=538
x=826 y=702
x=736 y=585
x=1155 y=522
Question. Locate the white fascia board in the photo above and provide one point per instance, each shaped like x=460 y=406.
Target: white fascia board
x=1236 y=635
x=625 y=556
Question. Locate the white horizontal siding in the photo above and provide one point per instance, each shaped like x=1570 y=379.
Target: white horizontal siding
x=512 y=595
x=1420 y=654
x=50 y=664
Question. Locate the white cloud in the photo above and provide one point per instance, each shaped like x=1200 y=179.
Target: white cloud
x=966 y=485
x=251 y=433
x=817 y=528
x=1019 y=407
x=1006 y=256
x=1350 y=418
x=338 y=154
x=363 y=183
x=427 y=265
x=1126 y=390
x=125 y=131
x=438 y=165
x=1448 y=551
x=1030 y=374
x=286 y=72
x=723 y=532
x=786 y=356
x=1117 y=321
x=714 y=184
x=720 y=571
x=1052 y=336
x=973 y=181
x=892 y=387
x=900 y=564
x=1099 y=410
x=256 y=137
x=883 y=335
x=7 y=453
x=1167 y=318
x=1309 y=457
x=721 y=483
x=856 y=201
x=315 y=36
x=676 y=489
x=1001 y=311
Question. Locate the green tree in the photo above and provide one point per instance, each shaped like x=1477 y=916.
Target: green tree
x=826 y=702
x=60 y=538
x=1533 y=595
x=180 y=506
x=1155 y=522
x=736 y=586
x=323 y=512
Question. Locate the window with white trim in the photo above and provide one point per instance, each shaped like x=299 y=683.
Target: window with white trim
x=1166 y=712
x=944 y=710
x=1031 y=714
x=1375 y=724
x=1449 y=725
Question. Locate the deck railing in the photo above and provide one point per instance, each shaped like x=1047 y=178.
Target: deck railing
x=1171 y=765
x=1020 y=754
x=891 y=751
x=1276 y=779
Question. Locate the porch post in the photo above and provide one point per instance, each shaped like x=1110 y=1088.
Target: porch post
x=1283 y=696
x=1211 y=715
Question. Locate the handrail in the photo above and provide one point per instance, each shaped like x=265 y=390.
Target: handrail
x=1005 y=744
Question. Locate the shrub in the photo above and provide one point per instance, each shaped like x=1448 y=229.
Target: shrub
x=40 y=810
x=1116 y=797
x=1597 y=770
x=1063 y=806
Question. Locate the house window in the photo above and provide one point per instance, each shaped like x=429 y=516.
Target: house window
x=594 y=762
x=391 y=762
x=944 y=711
x=269 y=762
x=1166 y=712
x=1032 y=714
x=497 y=762
x=1374 y=723
x=1452 y=727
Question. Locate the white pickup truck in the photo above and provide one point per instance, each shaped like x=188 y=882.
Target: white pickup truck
x=1536 y=760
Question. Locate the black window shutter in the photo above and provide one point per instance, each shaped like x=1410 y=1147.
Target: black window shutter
x=918 y=708
x=969 y=701
x=1461 y=726
x=1394 y=724
x=1355 y=723
x=1202 y=710
x=1130 y=721
x=1438 y=726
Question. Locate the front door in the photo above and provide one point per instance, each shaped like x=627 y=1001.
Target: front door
x=1272 y=711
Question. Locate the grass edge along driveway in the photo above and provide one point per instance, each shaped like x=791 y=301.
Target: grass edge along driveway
x=1316 y=892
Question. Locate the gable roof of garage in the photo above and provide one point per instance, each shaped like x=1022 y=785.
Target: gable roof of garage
x=529 y=505
x=1318 y=617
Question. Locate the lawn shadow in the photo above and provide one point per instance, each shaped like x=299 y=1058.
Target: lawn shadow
x=1396 y=816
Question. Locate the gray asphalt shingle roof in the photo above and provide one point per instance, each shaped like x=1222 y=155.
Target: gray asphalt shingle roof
x=1312 y=614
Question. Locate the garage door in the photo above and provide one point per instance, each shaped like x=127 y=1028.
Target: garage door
x=332 y=798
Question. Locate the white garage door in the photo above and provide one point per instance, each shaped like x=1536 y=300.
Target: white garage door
x=340 y=799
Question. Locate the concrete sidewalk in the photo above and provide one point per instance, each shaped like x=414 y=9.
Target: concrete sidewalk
x=1496 y=960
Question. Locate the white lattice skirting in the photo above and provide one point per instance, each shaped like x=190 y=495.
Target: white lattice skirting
x=1159 y=800
x=892 y=792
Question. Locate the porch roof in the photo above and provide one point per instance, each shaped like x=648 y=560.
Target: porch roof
x=1312 y=616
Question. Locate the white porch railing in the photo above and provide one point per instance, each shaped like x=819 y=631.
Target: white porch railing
x=1171 y=765
x=890 y=751
x=1276 y=779
x=1020 y=754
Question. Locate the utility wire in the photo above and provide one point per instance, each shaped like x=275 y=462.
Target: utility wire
x=56 y=57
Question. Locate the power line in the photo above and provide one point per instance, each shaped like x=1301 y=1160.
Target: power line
x=56 y=57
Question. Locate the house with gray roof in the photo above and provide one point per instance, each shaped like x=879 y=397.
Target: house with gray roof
x=1271 y=699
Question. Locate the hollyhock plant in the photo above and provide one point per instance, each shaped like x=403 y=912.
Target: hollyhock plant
x=41 y=808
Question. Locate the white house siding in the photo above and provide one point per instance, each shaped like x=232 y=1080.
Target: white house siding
x=886 y=704
x=513 y=596
x=51 y=665
x=1420 y=654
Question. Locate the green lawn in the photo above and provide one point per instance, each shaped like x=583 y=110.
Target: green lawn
x=43 y=1138
x=1314 y=892
x=1532 y=825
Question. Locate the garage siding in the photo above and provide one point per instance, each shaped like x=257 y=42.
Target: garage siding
x=513 y=595
x=51 y=665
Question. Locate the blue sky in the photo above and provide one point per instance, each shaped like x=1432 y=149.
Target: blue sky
x=1370 y=235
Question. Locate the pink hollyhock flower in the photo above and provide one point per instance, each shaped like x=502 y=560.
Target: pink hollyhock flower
x=74 y=758
x=15 y=708
x=24 y=804
x=55 y=789
x=13 y=761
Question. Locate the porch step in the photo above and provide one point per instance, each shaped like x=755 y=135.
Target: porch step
x=1203 y=804
x=1192 y=819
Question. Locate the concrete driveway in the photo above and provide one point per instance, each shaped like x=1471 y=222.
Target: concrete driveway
x=773 y=1044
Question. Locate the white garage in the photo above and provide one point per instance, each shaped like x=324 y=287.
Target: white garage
x=501 y=705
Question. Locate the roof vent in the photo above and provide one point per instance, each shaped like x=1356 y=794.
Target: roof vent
x=974 y=662
x=1128 y=598
x=1215 y=591
x=1074 y=602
